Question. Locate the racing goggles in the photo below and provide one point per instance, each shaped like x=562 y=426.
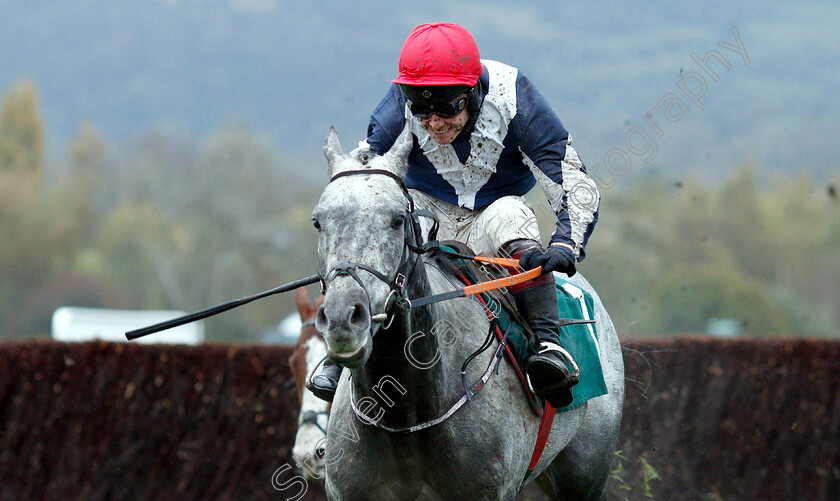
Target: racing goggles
x=446 y=108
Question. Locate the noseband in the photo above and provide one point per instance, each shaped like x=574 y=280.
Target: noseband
x=413 y=245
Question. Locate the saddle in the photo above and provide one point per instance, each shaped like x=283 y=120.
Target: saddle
x=511 y=329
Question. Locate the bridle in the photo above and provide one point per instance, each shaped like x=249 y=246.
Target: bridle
x=412 y=248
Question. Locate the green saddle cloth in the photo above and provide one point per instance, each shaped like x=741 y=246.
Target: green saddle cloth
x=579 y=339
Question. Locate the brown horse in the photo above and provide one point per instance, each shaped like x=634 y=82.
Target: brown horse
x=310 y=349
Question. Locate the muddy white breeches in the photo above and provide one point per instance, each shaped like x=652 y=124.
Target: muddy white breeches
x=484 y=230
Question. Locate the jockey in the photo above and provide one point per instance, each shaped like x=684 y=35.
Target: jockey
x=483 y=137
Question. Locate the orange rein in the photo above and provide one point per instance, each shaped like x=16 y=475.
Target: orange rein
x=499 y=283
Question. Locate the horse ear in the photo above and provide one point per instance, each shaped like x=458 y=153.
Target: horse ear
x=397 y=156
x=332 y=150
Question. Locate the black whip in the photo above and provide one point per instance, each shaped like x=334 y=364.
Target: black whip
x=215 y=310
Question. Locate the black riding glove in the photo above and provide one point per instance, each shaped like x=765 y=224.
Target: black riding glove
x=554 y=258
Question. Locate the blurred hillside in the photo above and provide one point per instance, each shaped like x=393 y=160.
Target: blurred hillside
x=174 y=222
x=291 y=69
x=167 y=153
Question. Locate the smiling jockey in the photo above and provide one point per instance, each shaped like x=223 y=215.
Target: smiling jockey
x=483 y=137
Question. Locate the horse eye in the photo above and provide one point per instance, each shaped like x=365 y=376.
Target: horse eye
x=397 y=222
x=316 y=223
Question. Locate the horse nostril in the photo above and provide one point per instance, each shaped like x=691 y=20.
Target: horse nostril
x=359 y=316
x=321 y=321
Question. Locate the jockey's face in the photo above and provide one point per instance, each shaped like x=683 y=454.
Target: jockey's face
x=445 y=130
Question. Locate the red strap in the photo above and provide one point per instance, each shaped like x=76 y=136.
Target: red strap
x=542 y=435
x=548 y=415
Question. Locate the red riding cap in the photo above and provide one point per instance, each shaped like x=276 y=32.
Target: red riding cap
x=439 y=54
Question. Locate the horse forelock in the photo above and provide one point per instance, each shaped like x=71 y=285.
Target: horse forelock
x=394 y=160
x=362 y=159
x=363 y=155
x=362 y=194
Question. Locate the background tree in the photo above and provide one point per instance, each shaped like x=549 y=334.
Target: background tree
x=171 y=222
x=21 y=130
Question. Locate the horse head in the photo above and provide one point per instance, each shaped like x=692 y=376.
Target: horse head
x=364 y=222
x=308 y=449
x=298 y=360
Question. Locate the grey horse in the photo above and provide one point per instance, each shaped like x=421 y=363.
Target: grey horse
x=396 y=430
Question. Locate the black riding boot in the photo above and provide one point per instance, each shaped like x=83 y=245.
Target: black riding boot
x=324 y=384
x=548 y=371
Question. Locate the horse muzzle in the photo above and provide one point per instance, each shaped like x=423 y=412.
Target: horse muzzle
x=345 y=322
